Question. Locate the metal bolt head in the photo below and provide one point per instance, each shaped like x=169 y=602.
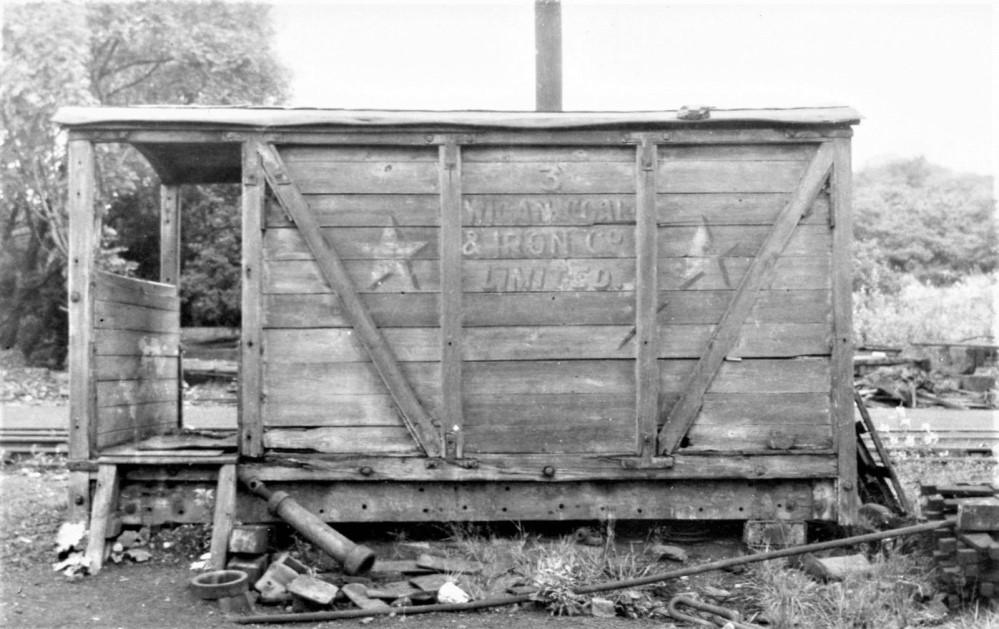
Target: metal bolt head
x=548 y=471
x=847 y=486
x=366 y=471
x=74 y=296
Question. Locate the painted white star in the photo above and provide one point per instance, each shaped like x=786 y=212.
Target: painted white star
x=393 y=257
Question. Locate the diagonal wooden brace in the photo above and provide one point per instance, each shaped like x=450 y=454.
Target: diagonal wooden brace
x=419 y=423
x=757 y=277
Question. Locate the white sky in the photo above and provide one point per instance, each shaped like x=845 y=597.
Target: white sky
x=923 y=76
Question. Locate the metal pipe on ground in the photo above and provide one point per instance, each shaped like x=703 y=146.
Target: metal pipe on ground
x=356 y=559
x=501 y=601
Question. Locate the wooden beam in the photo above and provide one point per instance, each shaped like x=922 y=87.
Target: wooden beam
x=251 y=431
x=757 y=277
x=646 y=299
x=84 y=227
x=105 y=504
x=225 y=510
x=548 y=55
x=170 y=235
x=421 y=426
x=451 y=297
x=842 y=351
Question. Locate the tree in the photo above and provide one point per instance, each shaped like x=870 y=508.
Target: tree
x=917 y=218
x=67 y=53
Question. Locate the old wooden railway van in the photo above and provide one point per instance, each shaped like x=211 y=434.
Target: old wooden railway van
x=491 y=316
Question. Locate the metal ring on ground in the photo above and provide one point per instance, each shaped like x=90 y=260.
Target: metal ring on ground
x=220 y=584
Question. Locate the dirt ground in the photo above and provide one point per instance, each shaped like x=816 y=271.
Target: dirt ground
x=155 y=595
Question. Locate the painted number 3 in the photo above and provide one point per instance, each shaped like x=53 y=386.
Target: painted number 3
x=552 y=181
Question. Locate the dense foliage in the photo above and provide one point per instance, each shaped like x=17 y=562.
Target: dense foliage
x=115 y=53
x=914 y=218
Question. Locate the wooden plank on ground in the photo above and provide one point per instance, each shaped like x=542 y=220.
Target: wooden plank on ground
x=105 y=504
x=222 y=519
x=758 y=276
x=418 y=422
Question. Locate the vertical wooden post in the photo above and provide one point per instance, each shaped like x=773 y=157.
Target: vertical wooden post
x=451 y=295
x=842 y=351
x=251 y=441
x=105 y=504
x=548 y=55
x=170 y=234
x=170 y=267
x=646 y=299
x=225 y=510
x=84 y=226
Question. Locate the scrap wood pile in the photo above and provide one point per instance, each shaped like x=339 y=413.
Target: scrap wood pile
x=282 y=580
x=968 y=555
x=929 y=375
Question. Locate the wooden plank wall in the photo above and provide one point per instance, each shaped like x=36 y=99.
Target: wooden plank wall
x=136 y=345
x=380 y=209
x=548 y=276
x=715 y=206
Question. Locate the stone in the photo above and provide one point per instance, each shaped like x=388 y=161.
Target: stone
x=836 y=568
x=273 y=584
x=602 y=607
x=451 y=594
x=313 y=589
x=716 y=593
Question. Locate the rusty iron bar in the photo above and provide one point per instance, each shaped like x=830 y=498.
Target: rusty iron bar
x=356 y=559
x=501 y=601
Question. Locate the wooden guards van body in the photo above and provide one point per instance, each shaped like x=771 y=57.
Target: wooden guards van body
x=490 y=315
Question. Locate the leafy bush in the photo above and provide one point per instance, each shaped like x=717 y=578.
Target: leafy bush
x=919 y=312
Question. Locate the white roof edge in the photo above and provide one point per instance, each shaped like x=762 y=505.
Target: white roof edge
x=264 y=117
